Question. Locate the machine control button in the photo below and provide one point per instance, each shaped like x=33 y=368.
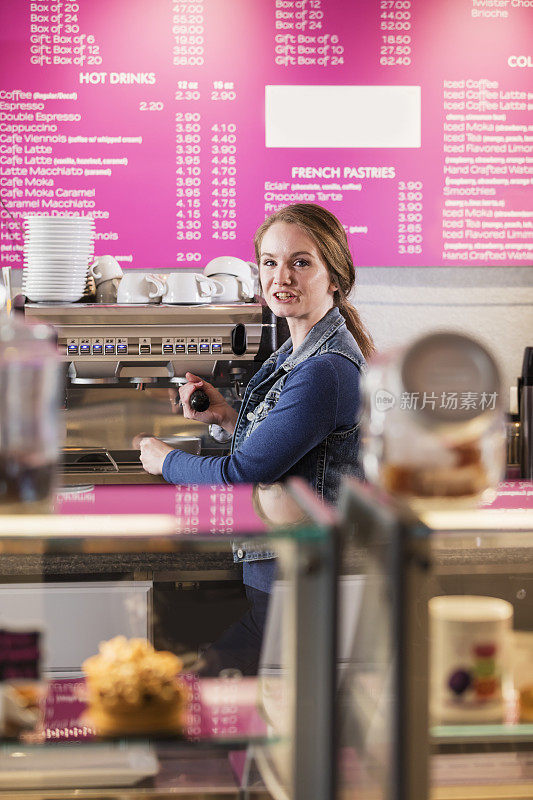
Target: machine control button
x=122 y=347
x=238 y=339
x=73 y=347
x=85 y=347
x=145 y=346
x=109 y=347
x=97 y=347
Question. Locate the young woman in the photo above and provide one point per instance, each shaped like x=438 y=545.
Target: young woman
x=299 y=414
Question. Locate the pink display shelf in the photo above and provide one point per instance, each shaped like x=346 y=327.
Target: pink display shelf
x=220 y=710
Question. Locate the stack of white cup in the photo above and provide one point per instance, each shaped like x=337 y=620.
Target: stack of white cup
x=57 y=251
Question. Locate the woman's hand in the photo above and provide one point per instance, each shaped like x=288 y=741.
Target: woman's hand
x=219 y=412
x=153 y=452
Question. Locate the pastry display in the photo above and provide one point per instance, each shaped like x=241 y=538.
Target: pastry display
x=134 y=689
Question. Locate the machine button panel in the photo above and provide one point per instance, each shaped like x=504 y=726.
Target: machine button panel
x=146 y=346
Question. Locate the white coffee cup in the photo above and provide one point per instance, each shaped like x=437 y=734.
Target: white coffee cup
x=235 y=289
x=104 y=268
x=190 y=287
x=229 y=265
x=470 y=665
x=140 y=287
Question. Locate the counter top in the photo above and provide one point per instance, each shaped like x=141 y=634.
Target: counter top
x=149 y=521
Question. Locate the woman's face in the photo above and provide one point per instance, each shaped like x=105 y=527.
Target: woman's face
x=295 y=280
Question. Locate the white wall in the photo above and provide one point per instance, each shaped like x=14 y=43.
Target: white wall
x=494 y=304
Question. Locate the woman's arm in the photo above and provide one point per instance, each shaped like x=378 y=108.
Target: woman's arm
x=319 y=396
x=219 y=412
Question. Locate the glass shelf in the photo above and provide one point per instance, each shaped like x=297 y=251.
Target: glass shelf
x=220 y=712
x=162 y=543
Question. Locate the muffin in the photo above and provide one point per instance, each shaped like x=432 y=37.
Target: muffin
x=133 y=689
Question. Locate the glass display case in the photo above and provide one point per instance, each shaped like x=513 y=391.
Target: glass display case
x=436 y=650
x=204 y=733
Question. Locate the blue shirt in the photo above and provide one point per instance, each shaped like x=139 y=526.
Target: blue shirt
x=320 y=395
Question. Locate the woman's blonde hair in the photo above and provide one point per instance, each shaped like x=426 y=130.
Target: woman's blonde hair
x=330 y=238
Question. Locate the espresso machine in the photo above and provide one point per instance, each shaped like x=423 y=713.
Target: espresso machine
x=123 y=366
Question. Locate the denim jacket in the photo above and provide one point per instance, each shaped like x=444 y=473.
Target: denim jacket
x=323 y=466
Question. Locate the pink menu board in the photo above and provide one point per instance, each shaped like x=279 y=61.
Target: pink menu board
x=180 y=125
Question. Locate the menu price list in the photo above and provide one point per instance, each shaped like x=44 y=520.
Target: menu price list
x=56 y=37
x=177 y=131
x=488 y=146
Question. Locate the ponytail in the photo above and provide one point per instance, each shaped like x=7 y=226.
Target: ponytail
x=356 y=327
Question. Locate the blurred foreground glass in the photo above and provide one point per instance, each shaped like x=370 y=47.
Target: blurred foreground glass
x=433 y=423
x=30 y=389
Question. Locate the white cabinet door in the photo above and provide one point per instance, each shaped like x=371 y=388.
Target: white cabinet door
x=75 y=617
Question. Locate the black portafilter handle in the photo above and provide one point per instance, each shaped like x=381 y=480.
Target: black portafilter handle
x=199 y=401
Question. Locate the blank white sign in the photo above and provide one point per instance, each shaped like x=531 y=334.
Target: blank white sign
x=343 y=116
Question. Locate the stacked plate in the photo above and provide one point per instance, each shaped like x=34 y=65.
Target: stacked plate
x=57 y=253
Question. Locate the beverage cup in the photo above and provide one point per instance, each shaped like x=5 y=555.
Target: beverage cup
x=106 y=291
x=229 y=265
x=254 y=270
x=470 y=667
x=105 y=268
x=139 y=287
x=190 y=287
x=236 y=290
